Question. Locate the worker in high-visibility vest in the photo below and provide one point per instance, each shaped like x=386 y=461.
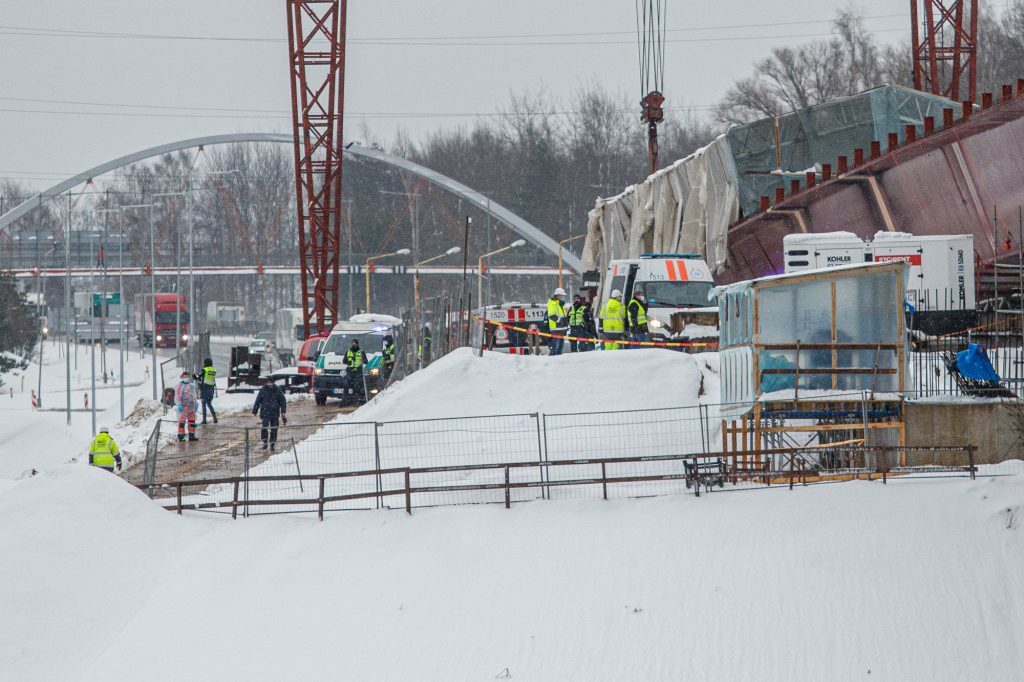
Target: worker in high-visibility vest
x=355 y=360
x=207 y=388
x=612 y=320
x=581 y=323
x=558 y=321
x=103 y=452
x=388 y=355
x=636 y=317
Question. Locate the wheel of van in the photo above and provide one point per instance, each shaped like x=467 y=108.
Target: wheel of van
x=321 y=398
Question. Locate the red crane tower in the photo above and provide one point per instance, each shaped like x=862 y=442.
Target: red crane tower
x=948 y=51
x=316 y=46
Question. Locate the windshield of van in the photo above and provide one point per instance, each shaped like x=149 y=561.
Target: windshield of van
x=677 y=294
x=340 y=342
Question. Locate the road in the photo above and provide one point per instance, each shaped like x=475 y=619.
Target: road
x=220 y=451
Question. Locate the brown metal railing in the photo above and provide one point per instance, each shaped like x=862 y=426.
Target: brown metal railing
x=699 y=471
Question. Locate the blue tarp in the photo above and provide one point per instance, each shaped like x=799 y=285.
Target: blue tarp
x=973 y=363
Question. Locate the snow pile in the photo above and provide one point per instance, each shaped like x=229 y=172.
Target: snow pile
x=462 y=384
x=914 y=580
x=374 y=318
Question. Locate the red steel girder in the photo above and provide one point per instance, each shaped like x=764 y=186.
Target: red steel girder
x=950 y=37
x=316 y=46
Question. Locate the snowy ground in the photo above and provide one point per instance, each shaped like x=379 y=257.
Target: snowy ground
x=41 y=439
x=916 y=580
x=920 y=579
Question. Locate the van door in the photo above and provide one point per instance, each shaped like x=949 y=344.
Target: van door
x=627 y=290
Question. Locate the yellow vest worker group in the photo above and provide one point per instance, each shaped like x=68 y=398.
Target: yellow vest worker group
x=104 y=452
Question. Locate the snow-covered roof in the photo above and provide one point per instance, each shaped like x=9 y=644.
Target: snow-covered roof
x=748 y=283
x=374 y=318
x=801 y=237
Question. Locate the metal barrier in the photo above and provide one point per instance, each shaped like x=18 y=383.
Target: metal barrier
x=517 y=481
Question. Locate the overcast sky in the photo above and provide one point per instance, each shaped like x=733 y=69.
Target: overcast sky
x=70 y=101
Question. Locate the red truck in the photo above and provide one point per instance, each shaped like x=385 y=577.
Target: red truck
x=171 y=311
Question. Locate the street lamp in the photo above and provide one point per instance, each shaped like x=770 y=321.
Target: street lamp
x=416 y=287
x=480 y=267
x=122 y=323
x=369 y=261
x=560 y=245
x=152 y=284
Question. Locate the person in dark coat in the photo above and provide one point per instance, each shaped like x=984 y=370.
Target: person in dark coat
x=271 y=406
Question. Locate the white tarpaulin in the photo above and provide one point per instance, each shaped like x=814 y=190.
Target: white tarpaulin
x=685 y=208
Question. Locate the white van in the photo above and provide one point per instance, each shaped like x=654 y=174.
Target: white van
x=676 y=287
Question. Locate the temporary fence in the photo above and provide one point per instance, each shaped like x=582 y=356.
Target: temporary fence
x=500 y=459
x=509 y=482
x=932 y=368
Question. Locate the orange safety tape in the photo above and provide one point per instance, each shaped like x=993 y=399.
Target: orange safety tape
x=623 y=342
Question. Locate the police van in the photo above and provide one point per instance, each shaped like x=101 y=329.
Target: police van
x=676 y=287
x=330 y=378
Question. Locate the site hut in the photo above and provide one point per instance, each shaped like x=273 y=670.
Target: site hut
x=813 y=357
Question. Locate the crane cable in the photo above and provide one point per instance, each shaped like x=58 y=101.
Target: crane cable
x=650 y=24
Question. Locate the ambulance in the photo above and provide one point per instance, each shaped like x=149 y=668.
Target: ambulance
x=676 y=287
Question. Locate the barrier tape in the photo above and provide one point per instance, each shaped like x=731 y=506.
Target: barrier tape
x=588 y=339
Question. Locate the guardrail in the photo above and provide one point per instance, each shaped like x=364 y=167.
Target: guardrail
x=697 y=472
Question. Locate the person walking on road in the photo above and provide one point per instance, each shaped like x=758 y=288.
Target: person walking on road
x=558 y=321
x=271 y=408
x=103 y=452
x=636 y=317
x=355 y=360
x=208 y=388
x=185 y=401
x=611 y=319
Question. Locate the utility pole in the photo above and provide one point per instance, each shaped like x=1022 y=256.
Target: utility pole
x=67 y=310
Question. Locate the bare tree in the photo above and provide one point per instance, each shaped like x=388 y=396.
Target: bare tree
x=797 y=77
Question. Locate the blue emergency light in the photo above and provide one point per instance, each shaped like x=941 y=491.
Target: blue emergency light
x=670 y=255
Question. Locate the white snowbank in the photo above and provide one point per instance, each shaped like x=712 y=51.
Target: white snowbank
x=462 y=384
x=914 y=580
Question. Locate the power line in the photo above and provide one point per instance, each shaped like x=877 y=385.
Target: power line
x=457 y=40
x=371 y=114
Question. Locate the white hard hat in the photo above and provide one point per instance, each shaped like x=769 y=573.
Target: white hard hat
x=559 y=292
x=616 y=293
x=104 y=429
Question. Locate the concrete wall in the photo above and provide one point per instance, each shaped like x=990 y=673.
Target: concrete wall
x=995 y=427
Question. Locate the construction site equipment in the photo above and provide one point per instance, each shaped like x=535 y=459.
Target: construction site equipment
x=692 y=205
x=244 y=373
x=941 y=67
x=316 y=47
x=650 y=26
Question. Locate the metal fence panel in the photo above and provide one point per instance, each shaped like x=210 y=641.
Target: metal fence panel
x=461 y=442
x=628 y=433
